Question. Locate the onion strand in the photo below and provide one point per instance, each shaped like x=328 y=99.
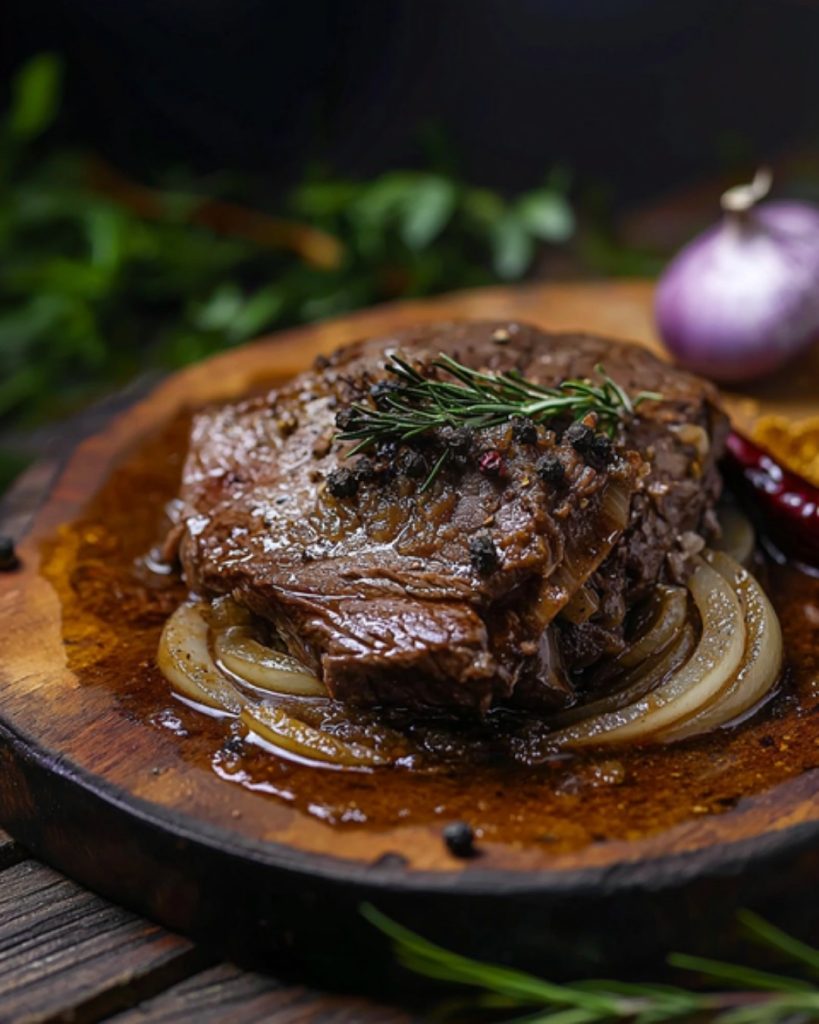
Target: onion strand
x=294 y=736
x=185 y=660
x=261 y=667
x=738 y=537
x=713 y=664
x=762 y=662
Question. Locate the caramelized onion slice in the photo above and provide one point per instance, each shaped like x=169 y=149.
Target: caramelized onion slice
x=667 y=620
x=637 y=682
x=185 y=661
x=263 y=667
x=293 y=736
x=223 y=612
x=662 y=646
x=761 y=663
x=711 y=667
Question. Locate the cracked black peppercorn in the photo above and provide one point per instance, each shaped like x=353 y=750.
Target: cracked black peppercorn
x=364 y=468
x=8 y=556
x=580 y=437
x=483 y=554
x=380 y=391
x=387 y=451
x=342 y=483
x=414 y=464
x=491 y=464
x=345 y=418
x=524 y=431
x=460 y=839
x=601 y=448
x=234 y=745
x=550 y=469
x=458 y=439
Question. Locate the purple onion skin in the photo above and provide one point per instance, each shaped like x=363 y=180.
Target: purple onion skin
x=743 y=297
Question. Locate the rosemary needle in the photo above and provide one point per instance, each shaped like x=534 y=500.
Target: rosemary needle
x=450 y=394
x=759 y=998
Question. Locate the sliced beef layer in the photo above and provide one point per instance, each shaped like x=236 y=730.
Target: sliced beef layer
x=515 y=568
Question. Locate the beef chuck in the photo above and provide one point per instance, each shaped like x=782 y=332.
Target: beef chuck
x=515 y=567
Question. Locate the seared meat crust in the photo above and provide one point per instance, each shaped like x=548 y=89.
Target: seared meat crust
x=494 y=585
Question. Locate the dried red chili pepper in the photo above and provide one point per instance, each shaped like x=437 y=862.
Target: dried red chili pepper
x=786 y=504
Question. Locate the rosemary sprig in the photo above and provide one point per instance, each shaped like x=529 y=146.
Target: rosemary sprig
x=419 y=403
x=758 y=998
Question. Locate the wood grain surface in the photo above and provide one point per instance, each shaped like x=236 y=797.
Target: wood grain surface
x=61 y=945
x=169 y=830
x=227 y=995
x=67 y=955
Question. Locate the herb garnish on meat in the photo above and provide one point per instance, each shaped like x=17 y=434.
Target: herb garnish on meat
x=452 y=395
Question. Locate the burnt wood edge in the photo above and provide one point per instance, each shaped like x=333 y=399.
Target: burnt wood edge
x=28 y=492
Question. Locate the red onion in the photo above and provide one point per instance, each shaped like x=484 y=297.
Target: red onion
x=743 y=298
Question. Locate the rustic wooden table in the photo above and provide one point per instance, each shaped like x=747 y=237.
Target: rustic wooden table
x=68 y=955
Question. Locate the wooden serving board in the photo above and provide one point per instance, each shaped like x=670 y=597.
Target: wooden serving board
x=87 y=785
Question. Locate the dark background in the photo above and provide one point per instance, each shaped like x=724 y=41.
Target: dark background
x=635 y=96
x=188 y=156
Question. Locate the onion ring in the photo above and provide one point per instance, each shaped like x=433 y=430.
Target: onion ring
x=762 y=661
x=708 y=671
x=185 y=660
x=262 y=667
x=738 y=537
x=293 y=736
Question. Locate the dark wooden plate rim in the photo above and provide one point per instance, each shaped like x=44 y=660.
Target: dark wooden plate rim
x=648 y=873
x=644 y=875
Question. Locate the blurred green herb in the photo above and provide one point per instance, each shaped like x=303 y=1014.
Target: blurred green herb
x=745 y=996
x=101 y=277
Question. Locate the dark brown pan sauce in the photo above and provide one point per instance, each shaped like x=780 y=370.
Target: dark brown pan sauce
x=113 y=612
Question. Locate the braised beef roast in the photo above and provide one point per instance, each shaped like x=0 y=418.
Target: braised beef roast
x=501 y=582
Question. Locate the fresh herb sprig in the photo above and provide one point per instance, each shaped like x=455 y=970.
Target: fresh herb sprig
x=419 y=403
x=758 y=997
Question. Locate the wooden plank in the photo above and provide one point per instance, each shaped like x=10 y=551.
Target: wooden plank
x=227 y=995
x=10 y=852
x=66 y=954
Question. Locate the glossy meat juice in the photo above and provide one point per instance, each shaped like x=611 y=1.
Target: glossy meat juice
x=113 y=609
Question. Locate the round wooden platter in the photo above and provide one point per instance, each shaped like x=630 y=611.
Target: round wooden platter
x=90 y=788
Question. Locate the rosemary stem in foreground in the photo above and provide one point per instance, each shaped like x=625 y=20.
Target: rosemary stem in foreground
x=760 y=997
